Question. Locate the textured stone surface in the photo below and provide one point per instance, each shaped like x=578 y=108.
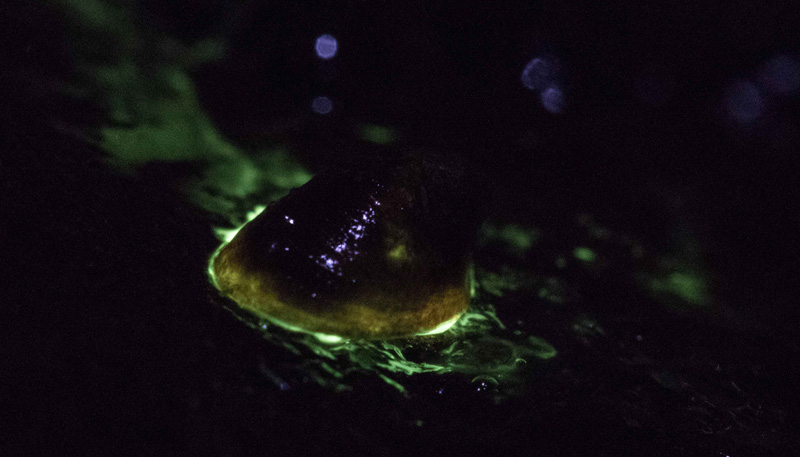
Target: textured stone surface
x=375 y=250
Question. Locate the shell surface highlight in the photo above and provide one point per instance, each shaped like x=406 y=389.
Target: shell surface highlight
x=374 y=251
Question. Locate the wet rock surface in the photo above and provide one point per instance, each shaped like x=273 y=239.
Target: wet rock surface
x=380 y=249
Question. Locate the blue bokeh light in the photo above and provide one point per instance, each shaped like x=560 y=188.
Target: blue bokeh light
x=538 y=75
x=542 y=75
x=326 y=47
x=780 y=75
x=553 y=100
x=744 y=102
x=322 y=105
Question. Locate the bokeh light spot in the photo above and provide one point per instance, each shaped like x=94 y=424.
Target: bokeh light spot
x=322 y=105
x=744 y=102
x=584 y=254
x=553 y=100
x=538 y=75
x=326 y=47
x=780 y=75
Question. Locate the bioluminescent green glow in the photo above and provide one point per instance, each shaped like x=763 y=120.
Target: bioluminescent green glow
x=140 y=79
x=509 y=280
x=322 y=337
x=516 y=239
x=96 y=14
x=399 y=253
x=141 y=82
x=227 y=234
x=675 y=278
x=377 y=134
x=679 y=278
x=154 y=116
x=475 y=343
x=443 y=327
x=586 y=326
x=688 y=286
x=584 y=254
x=504 y=281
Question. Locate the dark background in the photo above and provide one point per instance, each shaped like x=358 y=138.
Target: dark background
x=668 y=115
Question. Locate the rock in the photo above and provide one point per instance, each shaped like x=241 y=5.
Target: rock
x=375 y=250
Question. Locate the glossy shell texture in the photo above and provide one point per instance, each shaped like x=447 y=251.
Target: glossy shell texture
x=368 y=251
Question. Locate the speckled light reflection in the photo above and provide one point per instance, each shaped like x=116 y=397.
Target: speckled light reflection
x=345 y=246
